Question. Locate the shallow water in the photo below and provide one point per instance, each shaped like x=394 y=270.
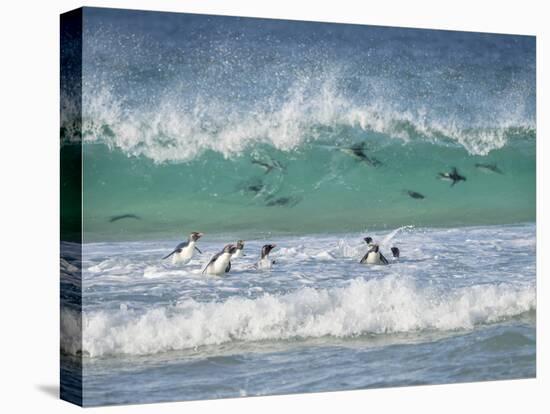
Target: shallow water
x=318 y=321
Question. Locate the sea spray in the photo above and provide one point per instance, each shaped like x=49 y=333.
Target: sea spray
x=385 y=306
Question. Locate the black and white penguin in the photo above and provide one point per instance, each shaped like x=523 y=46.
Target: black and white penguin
x=374 y=256
x=239 y=251
x=453 y=176
x=220 y=263
x=357 y=151
x=265 y=263
x=183 y=252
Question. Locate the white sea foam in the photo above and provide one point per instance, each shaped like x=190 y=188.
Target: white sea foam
x=170 y=133
x=379 y=306
x=71 y=331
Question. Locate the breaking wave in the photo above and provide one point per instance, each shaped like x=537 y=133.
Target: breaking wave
x=378 y=306
x=169 y=133
x=252 y=123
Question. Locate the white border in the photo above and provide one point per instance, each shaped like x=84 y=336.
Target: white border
x=29 y=215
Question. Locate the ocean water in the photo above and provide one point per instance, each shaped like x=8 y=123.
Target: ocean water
x=195 y=122
x=458 y=306
x=310 y=136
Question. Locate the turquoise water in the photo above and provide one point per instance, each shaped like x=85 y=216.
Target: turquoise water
x=314 y=189
x=177 y=118
x=310 y=136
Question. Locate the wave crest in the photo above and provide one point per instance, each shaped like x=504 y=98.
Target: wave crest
x=173 y=133
x=381 y=306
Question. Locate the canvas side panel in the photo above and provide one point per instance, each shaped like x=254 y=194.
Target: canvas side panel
x=71 y=207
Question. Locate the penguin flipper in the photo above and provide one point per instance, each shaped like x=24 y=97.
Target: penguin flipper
x=228 y=268
x=177 y=250
x=197 y=249
x=362 y=261
x=212 y=260
x=383 y=259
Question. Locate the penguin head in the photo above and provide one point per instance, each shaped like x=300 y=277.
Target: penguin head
x=267 y=248
x=229 y=248
x=395 y=251
x=194 y=236
x=368 y=240
x=240 y=244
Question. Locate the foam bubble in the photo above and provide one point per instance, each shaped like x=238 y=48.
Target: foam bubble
x=380 y=306
x=170 y=133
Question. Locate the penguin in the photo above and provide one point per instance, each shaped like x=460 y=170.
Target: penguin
x=374 y=256
x=255 y=188
x=358 y=152
x=239 y=251
x=220 y=263
x=490 y=168
x=453 y=176
x=394 y=250
x=112 y=219
x=183 y=252
x=269 y=165
x=265 y=263
x=290 y=201
x=414 y=194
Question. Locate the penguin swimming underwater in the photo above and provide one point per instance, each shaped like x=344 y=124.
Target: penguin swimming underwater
x=269 y=165
x=374 y=256
x=358 y=152
x=239 y=251
x=112 y=219
x=491 y=168
x=414 y=194
x=289 y=201
x=220 y=263
x=183 y=252
x=453 y=176
x=265 y=263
